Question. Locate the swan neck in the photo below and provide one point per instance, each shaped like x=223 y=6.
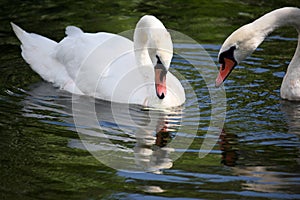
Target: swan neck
x=277 y=18
x=144 y=45
x=281 y=17
x=295 y=62
x=141 y=40
x=141 y=48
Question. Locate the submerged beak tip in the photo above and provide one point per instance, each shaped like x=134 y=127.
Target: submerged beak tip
x=162 y=96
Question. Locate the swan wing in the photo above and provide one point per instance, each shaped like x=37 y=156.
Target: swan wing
x=38 y=52
x=76 y=47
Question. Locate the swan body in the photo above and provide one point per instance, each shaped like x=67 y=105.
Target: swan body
x=242 y=42
x=108 y=66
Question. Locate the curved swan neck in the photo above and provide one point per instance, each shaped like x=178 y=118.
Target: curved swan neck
x=242 y=42
x=248 y=37
x=277 y=18
x=143 y=42
x=266 y=24
x=151 y=39
x=282 y=17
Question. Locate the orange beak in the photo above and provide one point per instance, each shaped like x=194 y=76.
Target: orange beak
x=160 y=82
x=225 y=70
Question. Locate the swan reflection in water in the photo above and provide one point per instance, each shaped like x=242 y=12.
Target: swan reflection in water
x=291 y=110
x=259 y=165
x=256 y=172
x=126 y=137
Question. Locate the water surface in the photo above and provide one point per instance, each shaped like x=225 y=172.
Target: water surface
x=44 y=157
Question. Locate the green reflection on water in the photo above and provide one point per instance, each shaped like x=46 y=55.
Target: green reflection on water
x=35 y=159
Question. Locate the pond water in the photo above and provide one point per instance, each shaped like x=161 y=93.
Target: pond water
x=46 y=155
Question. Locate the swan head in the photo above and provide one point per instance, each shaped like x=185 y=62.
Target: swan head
x=240 y=44
x=153 y=48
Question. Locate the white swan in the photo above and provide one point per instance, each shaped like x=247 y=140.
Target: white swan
x=108 y=66
x=242 y=42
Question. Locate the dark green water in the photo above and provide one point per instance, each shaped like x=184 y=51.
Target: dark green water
x=258 y=153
